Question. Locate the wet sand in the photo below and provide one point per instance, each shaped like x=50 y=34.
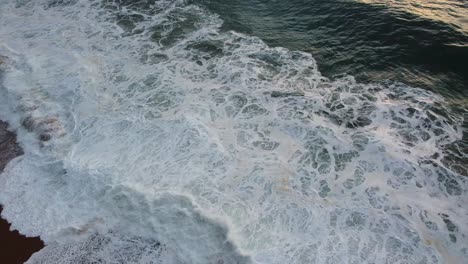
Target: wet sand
x=14 y=247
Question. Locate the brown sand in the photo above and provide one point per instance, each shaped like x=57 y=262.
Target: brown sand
x=14 y=247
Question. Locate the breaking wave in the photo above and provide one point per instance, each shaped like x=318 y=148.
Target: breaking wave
x=151 y=136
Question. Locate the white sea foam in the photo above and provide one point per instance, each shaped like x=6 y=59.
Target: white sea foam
x=151 y=136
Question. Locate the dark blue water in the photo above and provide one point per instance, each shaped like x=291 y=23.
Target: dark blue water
x=420 y=43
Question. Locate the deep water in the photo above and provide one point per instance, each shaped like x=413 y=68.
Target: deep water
x=422 y=43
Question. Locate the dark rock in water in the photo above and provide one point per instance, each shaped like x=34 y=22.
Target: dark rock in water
x=44 y=137
x=285 y=94
x=14 y=247
x=9 y=148
x=28 y=123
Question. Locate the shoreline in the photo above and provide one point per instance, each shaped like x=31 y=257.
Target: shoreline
x=15 y=247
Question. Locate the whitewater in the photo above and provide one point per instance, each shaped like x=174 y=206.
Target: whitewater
x=151 y=135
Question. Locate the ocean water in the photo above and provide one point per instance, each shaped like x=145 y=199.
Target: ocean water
x=421 y=43
x=167 y=132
